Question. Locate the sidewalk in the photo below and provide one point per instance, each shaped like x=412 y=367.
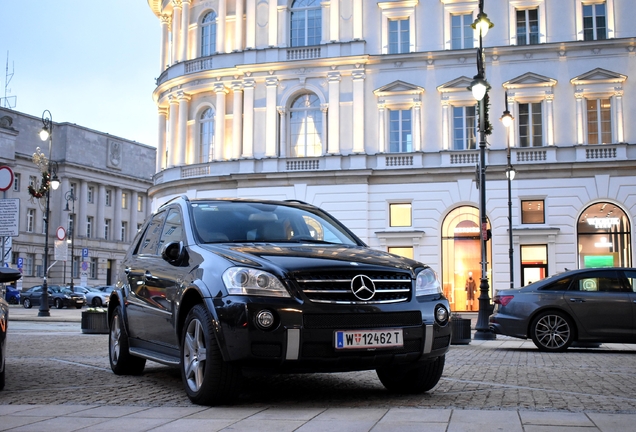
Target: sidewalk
x=19 y=313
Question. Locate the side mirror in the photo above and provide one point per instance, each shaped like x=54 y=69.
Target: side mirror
x=174 y=253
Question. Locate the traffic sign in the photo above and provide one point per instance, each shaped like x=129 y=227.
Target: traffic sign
x=9 y=217
x=60 y=233
x=6 y=178
x=84 y=252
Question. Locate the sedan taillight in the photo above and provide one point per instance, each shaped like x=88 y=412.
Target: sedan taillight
x=503 y=300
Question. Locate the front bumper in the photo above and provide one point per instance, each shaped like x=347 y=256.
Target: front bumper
x=303 y=335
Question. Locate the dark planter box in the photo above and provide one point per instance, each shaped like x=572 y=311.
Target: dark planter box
x=95 y=322
x=460 y=331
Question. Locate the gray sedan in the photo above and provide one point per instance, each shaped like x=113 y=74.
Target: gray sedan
x=585 y=305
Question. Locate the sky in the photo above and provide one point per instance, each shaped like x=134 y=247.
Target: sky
x=89 y=62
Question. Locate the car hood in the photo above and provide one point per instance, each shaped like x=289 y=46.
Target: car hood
x=307 y=257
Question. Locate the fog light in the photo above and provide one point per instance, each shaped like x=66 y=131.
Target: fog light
x=441 y=315
x=265 y=319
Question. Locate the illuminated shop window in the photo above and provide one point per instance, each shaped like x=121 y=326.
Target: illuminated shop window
x=534 y=263
x=532 y=212
x=406 y=252
x=604 y=237
x=400 y=215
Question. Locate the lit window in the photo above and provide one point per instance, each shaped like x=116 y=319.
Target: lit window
x=124 y=200
x=530 y=125
x=464 y=128
x=306 y=23
x=305 y=123
x=532 y=212
x=599 y=121
x=527 y=27
x=461 y=31
x=406 y=252
x=140 y=203
x=206 y=136
x=400 y=215
x=400 y=134
x=208 y=34
x=594 y=22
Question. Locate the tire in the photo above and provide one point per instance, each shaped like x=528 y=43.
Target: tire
x=121 y=361
x=58 y=303
x=97 y=302
x=552 y=331
x=78 y=306
x=27 y=303
x=413 y=379
x=208 y=380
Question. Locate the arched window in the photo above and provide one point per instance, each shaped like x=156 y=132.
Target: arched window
x=604 y=237
x=306 y=23
x=305 y=122
x=208 y=34
x=206 y=137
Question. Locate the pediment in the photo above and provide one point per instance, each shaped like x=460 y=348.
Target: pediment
x=398 y=87
x=530 y=79
x=598 y=75
x=458 y=84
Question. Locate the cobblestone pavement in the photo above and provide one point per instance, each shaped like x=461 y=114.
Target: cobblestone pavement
x=55 y=363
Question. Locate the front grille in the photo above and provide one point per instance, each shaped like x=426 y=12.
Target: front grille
x=369 y=320
x=335 y=287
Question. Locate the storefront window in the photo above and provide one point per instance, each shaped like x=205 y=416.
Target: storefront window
x=461 y=258
x=534 y=263
x=406 y=252
x=604 y=237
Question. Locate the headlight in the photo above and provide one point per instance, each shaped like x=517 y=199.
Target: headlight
x=247 y=281
x=427 y=283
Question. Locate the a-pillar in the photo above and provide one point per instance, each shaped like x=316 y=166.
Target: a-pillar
x=237 y=118
x=238 y=26
x=173 y=117
x=334 y=22
x=176 y=21
x=358 y=111
x=165 y=43
x=273 y=23
x=117 y=213
x=219 y=121
x=161 y=135
x=82 y=214
x=250 y=24
x=185 y=24
x=220 y=26
x=101 y=220
x=271 y=125
x=333 y=118
x=180 y=150
x=248 y=117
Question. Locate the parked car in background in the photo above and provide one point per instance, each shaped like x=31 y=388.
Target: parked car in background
x=587 y=305
x=59 y=297
x=94 y=296
x=6 y=275
x=106 y=288
x=12 y=295
x=217 y=287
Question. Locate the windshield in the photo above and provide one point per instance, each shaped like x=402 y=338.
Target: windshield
x=227 y=221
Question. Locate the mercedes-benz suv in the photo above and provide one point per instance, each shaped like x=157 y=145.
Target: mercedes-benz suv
x=217 y=287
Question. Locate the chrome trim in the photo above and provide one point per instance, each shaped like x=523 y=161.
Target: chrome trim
x=349 y=280
x=428 y=339
x=358 y=302
x=293 y=344
x=406 y=290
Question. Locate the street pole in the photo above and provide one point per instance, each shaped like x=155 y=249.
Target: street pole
x=47 y=132
x=70 y=196
x=507 y=120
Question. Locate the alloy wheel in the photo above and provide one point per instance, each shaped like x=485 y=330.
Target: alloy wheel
x=194 y=355
x=115 y=335
x=553 y=332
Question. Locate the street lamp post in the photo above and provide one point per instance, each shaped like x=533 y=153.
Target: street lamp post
x=70 y=196
x=507 y=120
x=50 y=180
x=480 y=87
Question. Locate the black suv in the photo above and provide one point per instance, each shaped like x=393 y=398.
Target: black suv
x=219 y=286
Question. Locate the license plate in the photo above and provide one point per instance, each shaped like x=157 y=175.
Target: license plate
x=369 y=339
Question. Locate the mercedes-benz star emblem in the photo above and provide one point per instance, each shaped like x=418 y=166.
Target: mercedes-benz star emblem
x=363 y=287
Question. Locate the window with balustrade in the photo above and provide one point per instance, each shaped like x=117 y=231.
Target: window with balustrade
x=208 y=34
x=305 y=126
x=306 y=23
x=206 y=136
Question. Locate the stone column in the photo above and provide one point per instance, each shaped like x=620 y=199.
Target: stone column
x=250 y=24
x=282 y=131
x=272 y=25
x=176 y=21
x=220 y=26
x=183 y=125
x=620 y=122
x=271 y=125
x=164 y=56
x=333 y=140
x=219 y=121
x=185 y=25
x=172 y=142
x=381 y=127
x=580 y=124
x=357 y=19
x=238 y=26
x=324 y=108
x=133 y=214
x=248 y=118
x=82 y=213
x=549 y=115
x=161 y=134
x=237 y=118
x=358 y=111
x=417 y=125
x=324 y=31
x=117 y=213
x=446 y=144
x=334 y=21
x=101 y=221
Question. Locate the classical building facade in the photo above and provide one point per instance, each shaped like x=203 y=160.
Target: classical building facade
x=107 y=176
x=362 y=108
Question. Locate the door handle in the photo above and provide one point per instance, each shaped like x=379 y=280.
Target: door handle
x=127 y=270
x=577 y=300
x=148 y=275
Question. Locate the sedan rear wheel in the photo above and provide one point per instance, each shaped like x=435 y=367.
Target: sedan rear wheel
x=58 y=303
x=121 y=361
x=208 y=380
x=27 y=303
x=97 y=301
x=414 y=379
x=552 y=331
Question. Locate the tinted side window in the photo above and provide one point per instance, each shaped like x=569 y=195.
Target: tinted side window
x=600 y=281
x=559 y=285
x=172 y=229
x=150 y=242
x=631 y=280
